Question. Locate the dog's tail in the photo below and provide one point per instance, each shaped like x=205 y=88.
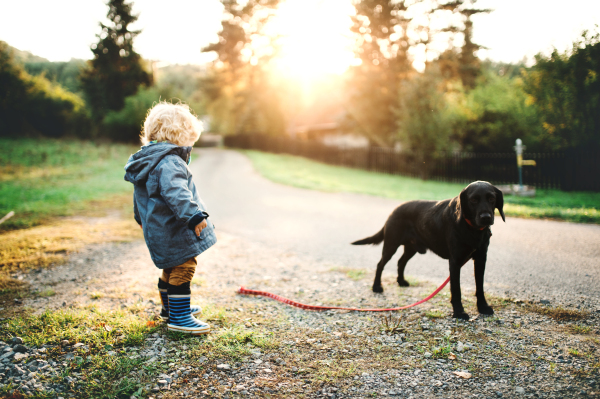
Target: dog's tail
x=376 y=239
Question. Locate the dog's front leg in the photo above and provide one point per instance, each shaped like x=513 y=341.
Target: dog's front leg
x=479 y=259
x=459 y=311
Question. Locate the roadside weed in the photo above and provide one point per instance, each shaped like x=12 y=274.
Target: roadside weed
x=574 y=352
x=435 y=314
x=579 y=329
x=356 y=274
x=391 y=325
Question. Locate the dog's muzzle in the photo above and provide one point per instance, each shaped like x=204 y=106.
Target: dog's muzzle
x=486 y=218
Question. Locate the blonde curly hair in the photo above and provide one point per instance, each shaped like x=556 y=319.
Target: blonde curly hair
x=174 y=123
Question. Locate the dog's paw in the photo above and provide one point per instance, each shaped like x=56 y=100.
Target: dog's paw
x=378 y=289
x=461 y=315
x=402 y=282
x=485 y=310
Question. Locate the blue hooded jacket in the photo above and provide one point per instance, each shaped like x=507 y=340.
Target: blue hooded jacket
x=167 y=205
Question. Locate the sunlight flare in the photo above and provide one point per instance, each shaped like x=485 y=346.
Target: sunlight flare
x=314 y=37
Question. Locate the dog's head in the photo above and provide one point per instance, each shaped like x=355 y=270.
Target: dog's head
x=478 y=201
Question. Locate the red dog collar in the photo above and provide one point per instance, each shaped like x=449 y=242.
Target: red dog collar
x=472 y=225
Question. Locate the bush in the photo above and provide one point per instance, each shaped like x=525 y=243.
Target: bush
x=126 y=124
x=33 y=104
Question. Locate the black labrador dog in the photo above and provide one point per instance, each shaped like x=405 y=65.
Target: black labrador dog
x=457 y=229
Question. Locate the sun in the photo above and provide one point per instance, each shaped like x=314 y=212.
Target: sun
x=314 y=37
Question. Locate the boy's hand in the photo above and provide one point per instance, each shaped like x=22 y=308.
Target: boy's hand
x=200 y=226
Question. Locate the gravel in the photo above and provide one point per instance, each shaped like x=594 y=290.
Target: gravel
x=421 y=352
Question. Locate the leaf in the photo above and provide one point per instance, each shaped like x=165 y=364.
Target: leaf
x=451 y=356
x=150 y=323
x=107 y=327
x=462 y=374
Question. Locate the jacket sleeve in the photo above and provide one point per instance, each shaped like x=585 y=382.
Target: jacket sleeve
x=174 y=189
x=136 y=213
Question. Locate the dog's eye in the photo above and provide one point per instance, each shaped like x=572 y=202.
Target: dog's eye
x=474 y=200
x=492 y=199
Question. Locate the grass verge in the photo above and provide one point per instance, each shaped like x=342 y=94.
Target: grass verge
x=581 y=207
x=43 y=178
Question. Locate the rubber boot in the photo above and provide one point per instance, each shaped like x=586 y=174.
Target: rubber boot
x=164 y=299
x=180 y=316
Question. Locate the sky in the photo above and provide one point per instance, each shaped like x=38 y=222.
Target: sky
x=175 y=31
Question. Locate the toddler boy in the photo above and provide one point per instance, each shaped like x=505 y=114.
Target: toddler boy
x=167 y=207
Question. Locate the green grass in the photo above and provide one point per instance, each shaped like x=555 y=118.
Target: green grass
x=106 y=362
x=44 y=178
x=582 y=207
x=435 y=314
x=90 y=326
x=581 y=329
x=356 y=274
x=109 y=365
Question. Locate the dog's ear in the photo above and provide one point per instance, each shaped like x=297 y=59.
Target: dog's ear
x=500 y=202
x=465 y=211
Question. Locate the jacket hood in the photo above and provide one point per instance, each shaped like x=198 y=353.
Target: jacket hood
x=142 y=163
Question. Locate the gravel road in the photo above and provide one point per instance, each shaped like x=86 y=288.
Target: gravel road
x=528 y=259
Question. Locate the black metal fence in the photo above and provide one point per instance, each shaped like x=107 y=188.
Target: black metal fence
x=568 y=171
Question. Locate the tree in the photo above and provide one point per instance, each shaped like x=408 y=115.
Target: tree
x=382 y=44
x=424 y=125
x=469 y=65
x=565 y=87
x=241 y=97
x=116 y=71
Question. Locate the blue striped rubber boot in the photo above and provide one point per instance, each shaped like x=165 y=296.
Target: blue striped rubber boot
x=180 y=316
x=164 y=299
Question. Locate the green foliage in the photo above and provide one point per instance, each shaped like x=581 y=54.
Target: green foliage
x=566 y=89
x=33 y=104
x=437 y=114
x=126 y=124
x=423 y=119
x=493 y=115
x=64 y=73
x=116 y=71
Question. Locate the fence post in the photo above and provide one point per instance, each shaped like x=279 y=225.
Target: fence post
x=568 y=167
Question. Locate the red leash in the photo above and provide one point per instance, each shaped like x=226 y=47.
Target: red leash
x=245 y=291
